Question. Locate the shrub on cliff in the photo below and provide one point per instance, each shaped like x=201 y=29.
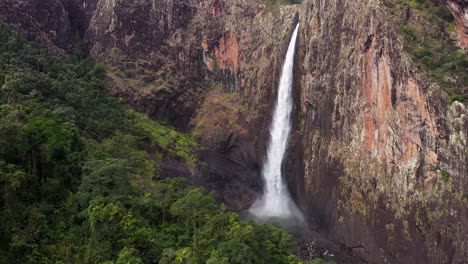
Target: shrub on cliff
x=426 y=40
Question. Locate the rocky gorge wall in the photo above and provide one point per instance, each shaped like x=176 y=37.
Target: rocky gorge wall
x=379 y=141
x=209 y=67
x=378 y=160
x=47 y=22
x=459 y=10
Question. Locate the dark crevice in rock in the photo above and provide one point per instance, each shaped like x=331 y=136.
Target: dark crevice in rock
x=368 y=43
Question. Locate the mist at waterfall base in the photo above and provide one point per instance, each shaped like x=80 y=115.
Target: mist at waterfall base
x=276 y=204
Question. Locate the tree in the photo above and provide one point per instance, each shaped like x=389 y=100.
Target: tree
x=105 y=178
x=129 y=256
x=194 y=209
x=12 y=180
x=77 y=176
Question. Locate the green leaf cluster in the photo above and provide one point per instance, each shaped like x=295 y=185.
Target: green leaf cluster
x=77 y=176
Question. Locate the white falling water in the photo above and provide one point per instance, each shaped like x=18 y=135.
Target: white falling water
x=276 y=201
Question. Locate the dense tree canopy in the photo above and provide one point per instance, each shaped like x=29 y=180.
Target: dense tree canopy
x=78 y=182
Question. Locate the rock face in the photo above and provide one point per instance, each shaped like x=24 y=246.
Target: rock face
x=459 y=10
x=204 y=66
x=385 y=158
x=378 y=161
x=207 y=66
x=47 y=22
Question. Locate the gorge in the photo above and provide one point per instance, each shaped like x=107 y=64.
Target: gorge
x=376 y=156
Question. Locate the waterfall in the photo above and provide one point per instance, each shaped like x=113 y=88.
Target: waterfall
x=276 y=201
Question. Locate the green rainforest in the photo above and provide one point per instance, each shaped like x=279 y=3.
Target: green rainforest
x=79 y=182
x=233 y=131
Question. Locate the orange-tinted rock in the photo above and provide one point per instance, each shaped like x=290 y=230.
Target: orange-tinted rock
x=377 y=136
x=459 y=10
x=227 y=53
x=376 y=133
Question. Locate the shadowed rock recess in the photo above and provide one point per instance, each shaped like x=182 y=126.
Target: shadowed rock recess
x=377 y=159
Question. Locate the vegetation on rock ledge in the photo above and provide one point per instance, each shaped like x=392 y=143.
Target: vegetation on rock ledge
x=77 y=170
x=427 y=39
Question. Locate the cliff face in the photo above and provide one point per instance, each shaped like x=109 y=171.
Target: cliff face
x=204 y=66
x=210 y=67
x=378 y=160
x=44 y=21
x=380 y=140
x=459 y=10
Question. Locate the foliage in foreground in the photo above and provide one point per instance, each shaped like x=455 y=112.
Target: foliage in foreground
x=77 y=176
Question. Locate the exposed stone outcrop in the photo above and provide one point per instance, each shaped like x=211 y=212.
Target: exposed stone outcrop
x=379 y=141
x=47 y=22
x=459 y=10
x=378 y=160
x=184 y=62
x=166 y=57
x=180 y=48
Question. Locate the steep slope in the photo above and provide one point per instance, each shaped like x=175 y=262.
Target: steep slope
x=459 y=10
x=385 y=156
x=47 y=22
x=79 y=181
x=190 y=63
x=378 y=160
x=206 y=66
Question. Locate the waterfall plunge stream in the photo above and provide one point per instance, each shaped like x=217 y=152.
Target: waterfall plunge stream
x=276 y=202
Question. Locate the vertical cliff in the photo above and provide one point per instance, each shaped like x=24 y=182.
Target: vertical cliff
x=459 y=10
x=210 y=67
x=206 y=66
x=378 y=159
x=385 y=158
x=47 y=22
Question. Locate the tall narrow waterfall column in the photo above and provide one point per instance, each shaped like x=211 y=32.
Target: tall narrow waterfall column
x=276 y=201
